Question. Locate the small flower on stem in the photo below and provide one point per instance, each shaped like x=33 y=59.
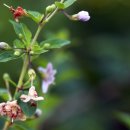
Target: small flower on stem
x=82 y=16
x=48 y=74
x=32 y=96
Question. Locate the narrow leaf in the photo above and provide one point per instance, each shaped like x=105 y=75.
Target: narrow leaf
x=7 y=56
x=55 y=43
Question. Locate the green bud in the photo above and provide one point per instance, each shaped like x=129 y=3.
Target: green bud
x=31 y=74
x=17 y=53
x=4 y=46
x=6 y=76
x=50 y=8
x=20 y=36
x=31 y=52
x=46 y=46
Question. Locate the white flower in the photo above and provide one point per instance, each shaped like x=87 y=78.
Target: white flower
x=48 y=76
x=32 y=95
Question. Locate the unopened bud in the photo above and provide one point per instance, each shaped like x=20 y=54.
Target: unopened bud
x=38 y=113
x=17 y=53
x=81 y=16
x=4 y=46
x=50 y=8
x=46 y=46
x=31 y=52
x=6 y=76
x=20 y=36
x=31 y=74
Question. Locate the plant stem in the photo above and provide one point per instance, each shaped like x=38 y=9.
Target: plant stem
x=8 y=89
x=7 y=125
x=26 y=60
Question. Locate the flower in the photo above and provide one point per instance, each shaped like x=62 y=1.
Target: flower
x=82 y=16
x=32 y=96
x=18 y=12
x=12 y=110
x=48 y=76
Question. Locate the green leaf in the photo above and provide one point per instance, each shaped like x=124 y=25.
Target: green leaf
x=27 y=108
x=7 y=56
x=55 y=43
x=68 y=3
x=21 y=29
x=35 y=16
x=4 y=94
x=60 y=5
x=123 y=117
x=18 y=44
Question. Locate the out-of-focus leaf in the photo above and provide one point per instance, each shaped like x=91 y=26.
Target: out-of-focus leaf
x=7 y=56
x=4 y=94
x=35 y=16
x=55 y=43
x=123 y=117
x=68 y=3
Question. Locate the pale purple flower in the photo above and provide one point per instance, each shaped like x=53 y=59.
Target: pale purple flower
x=48 y=74
x=82 y=16
x=32 y=96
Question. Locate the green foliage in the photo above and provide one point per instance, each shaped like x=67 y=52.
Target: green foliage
x=68 y=3
x=35 y=16
x=21 y=29
x=28 y=108
x=124 y=117
x=4 y=94
x=18 y=44
x=60 y=5
x=55 y=43
x=7 y=56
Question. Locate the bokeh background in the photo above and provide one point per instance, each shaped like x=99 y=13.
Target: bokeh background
x=92 y=90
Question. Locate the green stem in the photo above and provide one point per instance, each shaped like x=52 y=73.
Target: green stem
x=26 y=60
x=7 y=125
x=37 y=34
x=23 y=72
x=8 y=89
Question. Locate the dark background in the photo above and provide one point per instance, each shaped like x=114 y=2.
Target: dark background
x=92 y=90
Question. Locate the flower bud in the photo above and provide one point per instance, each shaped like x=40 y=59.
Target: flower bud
x=46 y=46
x=4 y=46
x=6 y=76
x=20 y=36
x=17 y=53
x=81 y=16
x=50 y=8
x=31 y=74
x=38 y=113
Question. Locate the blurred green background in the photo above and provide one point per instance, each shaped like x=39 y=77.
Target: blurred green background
x=92 y=90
